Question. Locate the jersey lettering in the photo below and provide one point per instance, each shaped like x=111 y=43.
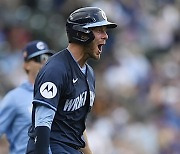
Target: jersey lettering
x=74 y=104
x=78 y=102
x=92 y=96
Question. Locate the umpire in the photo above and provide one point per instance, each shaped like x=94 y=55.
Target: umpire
x=16 y=106
x=65 y=87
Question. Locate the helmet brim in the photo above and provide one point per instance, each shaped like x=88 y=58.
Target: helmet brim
x=101 y=23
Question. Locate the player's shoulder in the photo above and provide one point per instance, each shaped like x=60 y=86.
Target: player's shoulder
x=56 y=67
x=58 y=61
x=90 y=69
x=13 y=92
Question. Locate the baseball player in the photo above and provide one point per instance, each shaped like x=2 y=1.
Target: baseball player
x=65 y=87
x=16 y=106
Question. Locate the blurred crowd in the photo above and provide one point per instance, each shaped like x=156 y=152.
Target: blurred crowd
x=137 y=105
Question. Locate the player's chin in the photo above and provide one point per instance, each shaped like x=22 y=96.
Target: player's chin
x=97 y=56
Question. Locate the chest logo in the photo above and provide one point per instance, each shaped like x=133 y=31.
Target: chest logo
x=75 y=80
x=48 y=90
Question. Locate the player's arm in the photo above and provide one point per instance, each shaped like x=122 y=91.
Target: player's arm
x=43 y=120
x=86 y=149
x=42 y=140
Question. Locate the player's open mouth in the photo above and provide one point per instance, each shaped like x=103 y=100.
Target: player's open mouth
x=100 y=47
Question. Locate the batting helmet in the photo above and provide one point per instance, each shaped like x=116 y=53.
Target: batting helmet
x=80 y=21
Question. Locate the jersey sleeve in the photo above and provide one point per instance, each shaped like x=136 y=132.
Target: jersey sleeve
x=49 y=86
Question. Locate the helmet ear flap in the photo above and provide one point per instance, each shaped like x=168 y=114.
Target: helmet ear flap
x=87 y=38
x=78 y=34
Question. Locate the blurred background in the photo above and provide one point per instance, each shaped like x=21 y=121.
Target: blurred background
x=137 y=105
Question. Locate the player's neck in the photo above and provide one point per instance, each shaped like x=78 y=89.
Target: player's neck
x=31 y=79
x=78 y=53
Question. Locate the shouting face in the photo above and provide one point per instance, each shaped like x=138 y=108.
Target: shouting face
x=94 y=49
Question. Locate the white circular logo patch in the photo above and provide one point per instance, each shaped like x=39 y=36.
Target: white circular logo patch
x=48 y=90
x=40 y=45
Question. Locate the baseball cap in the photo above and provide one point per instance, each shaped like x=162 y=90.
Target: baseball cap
x=36 y=48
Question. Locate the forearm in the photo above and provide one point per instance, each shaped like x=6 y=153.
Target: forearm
x=42 y=140
x=86 y=149
x=43 y=120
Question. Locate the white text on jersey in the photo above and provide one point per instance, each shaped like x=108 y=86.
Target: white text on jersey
x=74 y=104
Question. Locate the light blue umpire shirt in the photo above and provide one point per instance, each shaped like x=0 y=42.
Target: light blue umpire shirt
x=15 y=117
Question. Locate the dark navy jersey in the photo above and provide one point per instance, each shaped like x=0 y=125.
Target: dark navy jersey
x=63 y=87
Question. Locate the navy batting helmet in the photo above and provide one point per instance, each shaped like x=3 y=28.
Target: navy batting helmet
x=80 y=21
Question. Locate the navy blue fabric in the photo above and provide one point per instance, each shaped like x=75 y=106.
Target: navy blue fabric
x=35 y=48
x=62 y=148
x=62 y=86
x=42 y=143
